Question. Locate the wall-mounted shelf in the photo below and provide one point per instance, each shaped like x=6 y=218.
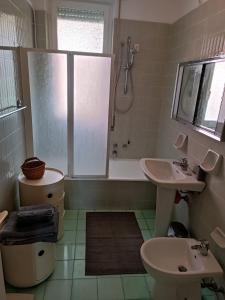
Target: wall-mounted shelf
x=10 y=110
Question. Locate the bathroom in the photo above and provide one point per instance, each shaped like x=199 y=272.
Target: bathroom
x=145 y=41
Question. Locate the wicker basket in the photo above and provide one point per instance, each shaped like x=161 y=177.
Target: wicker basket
x=33 y=168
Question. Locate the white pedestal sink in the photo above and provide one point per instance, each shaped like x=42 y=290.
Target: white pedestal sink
x=169 y=178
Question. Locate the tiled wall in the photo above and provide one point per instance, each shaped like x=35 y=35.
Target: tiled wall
x=16 y=18
x=140 y=124
x=41 y=28
x=192 y=38
x=15 y=30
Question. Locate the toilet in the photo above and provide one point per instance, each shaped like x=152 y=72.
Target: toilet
x=177 y=268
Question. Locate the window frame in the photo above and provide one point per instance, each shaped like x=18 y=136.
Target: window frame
x=108 y=20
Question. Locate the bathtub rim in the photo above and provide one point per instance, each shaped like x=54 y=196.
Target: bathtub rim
x=110 y=177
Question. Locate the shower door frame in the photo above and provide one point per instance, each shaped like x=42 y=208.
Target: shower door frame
x=26 y=100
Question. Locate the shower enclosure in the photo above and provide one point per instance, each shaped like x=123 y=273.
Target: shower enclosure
x=68 y=100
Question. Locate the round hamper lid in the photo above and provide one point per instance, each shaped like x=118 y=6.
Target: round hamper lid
x=51 y=176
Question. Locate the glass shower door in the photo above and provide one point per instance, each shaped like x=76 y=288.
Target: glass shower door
x=48 y=96
x=69 y=96
x=91 y=114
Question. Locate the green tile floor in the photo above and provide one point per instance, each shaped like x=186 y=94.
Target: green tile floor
x=68 y=282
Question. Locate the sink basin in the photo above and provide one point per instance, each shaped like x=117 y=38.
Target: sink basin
x=173 y=258
x=176 y=268
x=169 y=178
x=164 y=173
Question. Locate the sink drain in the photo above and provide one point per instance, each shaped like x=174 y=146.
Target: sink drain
x=182 y=268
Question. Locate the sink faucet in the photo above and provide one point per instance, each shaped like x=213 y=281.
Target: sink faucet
x=183 y=164
x=203 y=247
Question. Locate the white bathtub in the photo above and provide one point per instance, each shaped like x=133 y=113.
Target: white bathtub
x=126 y=169
x=125 y=188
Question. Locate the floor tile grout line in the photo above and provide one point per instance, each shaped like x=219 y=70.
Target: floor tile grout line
x=124 y=296
x=76 y=233
x=71 y=290
x=97 y=288
x=75 y=245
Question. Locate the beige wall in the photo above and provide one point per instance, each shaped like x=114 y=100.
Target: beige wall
x=41 y=29
x=16 y=23
x=140 y=124
x=190 y=38
x=15 y=30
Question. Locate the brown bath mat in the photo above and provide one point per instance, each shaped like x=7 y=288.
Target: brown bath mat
x=113 y=242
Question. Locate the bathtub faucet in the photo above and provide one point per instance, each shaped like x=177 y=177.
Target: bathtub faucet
x=115 y=152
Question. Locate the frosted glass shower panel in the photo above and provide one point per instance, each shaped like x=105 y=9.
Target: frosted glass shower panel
x=91 y=112
x=48 y=88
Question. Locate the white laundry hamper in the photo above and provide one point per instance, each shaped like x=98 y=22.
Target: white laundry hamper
x=48 y=189
x=26 y=265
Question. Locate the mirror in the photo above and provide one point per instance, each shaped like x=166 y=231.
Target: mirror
x=189 y=92
x=199 y=97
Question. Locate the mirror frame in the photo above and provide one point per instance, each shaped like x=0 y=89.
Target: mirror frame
x=219 y=136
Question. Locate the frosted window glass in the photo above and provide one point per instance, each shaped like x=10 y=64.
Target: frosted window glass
x=48 y=87
x=80 y=30
x=91 y=108
x=9 y=81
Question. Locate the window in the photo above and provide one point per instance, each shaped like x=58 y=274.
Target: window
x=84 y=27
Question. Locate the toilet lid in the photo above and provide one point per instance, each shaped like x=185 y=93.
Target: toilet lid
x=51 y=176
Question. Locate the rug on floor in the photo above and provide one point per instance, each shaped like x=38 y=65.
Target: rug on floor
x=113 y=242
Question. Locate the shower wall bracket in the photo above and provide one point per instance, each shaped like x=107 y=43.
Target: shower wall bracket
x=10 y=110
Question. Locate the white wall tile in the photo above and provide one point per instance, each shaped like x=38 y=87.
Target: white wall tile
x=12 y=139
x=140 y=124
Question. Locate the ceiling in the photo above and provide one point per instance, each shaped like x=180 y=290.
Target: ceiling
x=166 y=11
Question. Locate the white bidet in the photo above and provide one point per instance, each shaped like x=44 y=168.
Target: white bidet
x=178 y=266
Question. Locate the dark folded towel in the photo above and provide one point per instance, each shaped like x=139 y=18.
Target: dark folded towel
x=36 y=207
x=35 y=213
x=13 y=233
